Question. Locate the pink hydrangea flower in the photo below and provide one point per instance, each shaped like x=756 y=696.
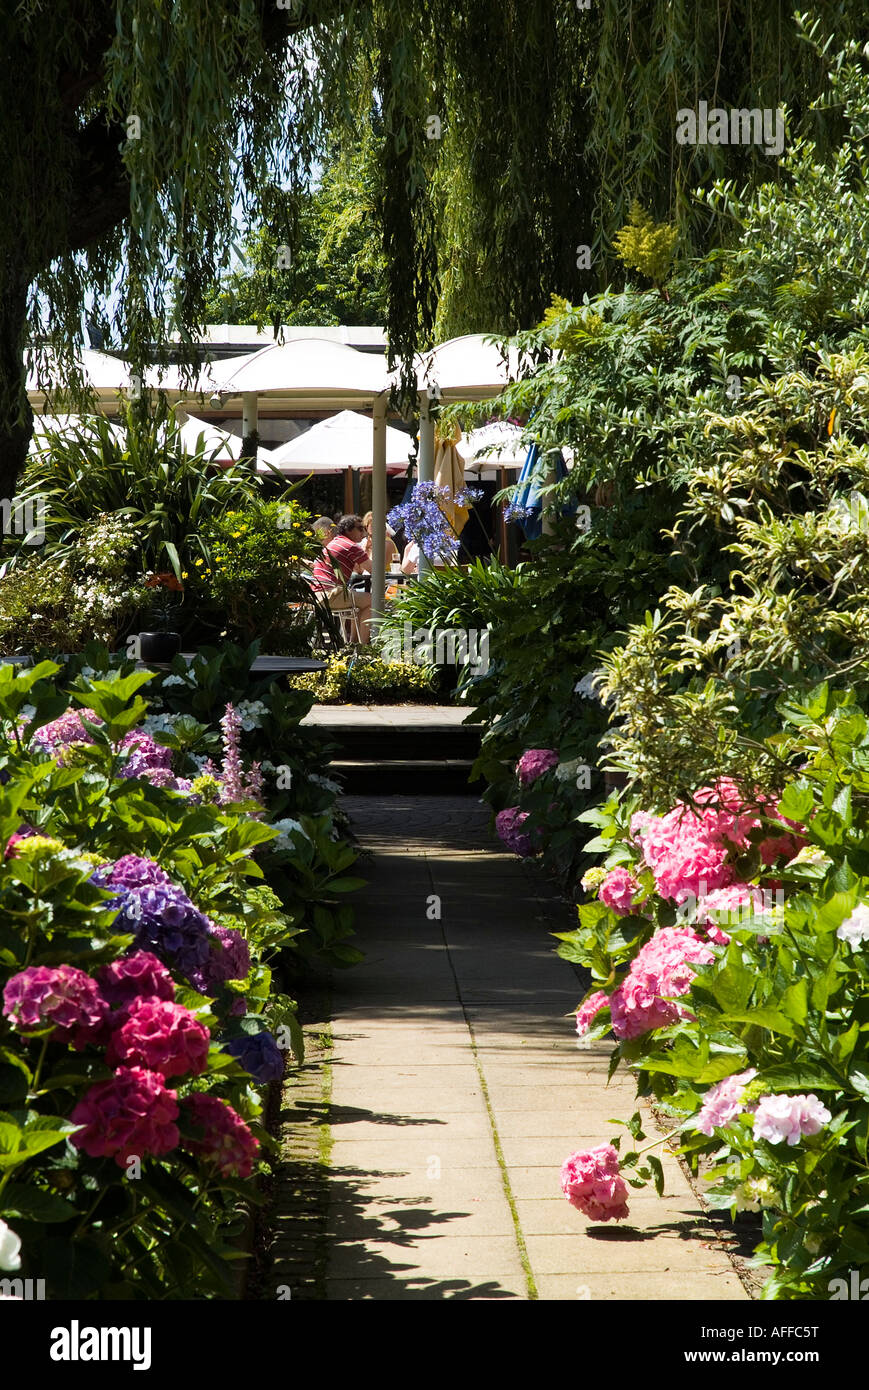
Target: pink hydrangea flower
x=161 y=1037
x=232 y=959
x=639 y=821
x=226 y=1142
x=140 y=976
x=509 y=824
x=587 y=1012
x=618 y=890
x=591 y=1182
x=660 y=972
x=144 y=755
x=789 y=1118
x=67 y=729
x=723 y=1102
x=690 y=851
x=24 y=832
x=727 y=905
x=534 y=763
x=132 y=1114
x=43 y=995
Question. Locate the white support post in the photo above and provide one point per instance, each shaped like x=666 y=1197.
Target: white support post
x=378 y=514
x=426 y=461
x=249 y=414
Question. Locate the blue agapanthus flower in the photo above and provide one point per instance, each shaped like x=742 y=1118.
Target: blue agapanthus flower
x=259 y=1054
x=423 y=520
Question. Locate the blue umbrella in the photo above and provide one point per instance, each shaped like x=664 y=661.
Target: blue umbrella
x=526 y=506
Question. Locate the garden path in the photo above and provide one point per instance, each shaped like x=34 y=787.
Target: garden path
x=457 y=1090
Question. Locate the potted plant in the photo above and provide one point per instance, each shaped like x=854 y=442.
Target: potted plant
x=163 y=644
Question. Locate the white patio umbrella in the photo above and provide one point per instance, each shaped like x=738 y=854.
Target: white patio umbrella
x=223 y=444
x=497 y=445
x=66 y=425
x=340 y=442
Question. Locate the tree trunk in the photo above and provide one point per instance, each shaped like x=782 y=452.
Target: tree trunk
x=16 y=417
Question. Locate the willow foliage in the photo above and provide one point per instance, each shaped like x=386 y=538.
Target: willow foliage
x=510 y=136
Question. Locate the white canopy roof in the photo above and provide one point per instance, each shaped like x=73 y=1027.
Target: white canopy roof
x=342 y=441
x=468 y=368
x=308 y=373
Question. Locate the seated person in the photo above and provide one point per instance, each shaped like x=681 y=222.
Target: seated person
x=343 y=556
x=325 y=528
x=410 y=559
x=391 y=552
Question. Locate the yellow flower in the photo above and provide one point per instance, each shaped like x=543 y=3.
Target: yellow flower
x=184 y=574
x=235 y=535
x=199 y=562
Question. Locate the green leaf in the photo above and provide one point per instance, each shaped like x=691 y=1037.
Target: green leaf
x=34 y=1204
x=797 y=802
x=655 y=1164
x=800 y=1076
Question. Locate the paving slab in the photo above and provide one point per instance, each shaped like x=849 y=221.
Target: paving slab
x=457 y=1088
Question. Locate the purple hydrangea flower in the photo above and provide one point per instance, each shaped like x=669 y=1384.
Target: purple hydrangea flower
x=259 y=1055
x=228 y=959
x=144 y=755
x=509 y=825
x=131 y=871
x=534 y=763
x=164 y=920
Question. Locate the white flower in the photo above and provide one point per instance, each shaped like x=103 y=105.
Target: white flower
x=27 y=712
x=200 y=759
x=160 y=723
x=567 y=772
x=174 y=680
x=587 y=687
x=285 y=828
x=250 y=712
x=10 y=1247
x=855 y=929
x=325 y=782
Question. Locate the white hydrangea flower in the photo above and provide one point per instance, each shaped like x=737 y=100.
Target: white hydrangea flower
x=855 y=929
x=27 y=712
x=10 y=1248
x=285 y=828
x=174 y=680
x=160 y=723
x=325 y=782
x=200 y=759
x=587 y=687
x=569 y=771
x=250 y=713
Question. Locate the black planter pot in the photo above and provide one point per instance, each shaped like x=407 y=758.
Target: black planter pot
x=159 y=647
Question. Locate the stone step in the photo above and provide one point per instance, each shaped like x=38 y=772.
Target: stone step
x=387 y=776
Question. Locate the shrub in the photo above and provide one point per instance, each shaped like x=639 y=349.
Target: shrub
x=748 y=1026
x=366 y=679
x=139 y=1018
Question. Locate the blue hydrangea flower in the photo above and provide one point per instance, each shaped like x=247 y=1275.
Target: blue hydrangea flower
x=259 y=1054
